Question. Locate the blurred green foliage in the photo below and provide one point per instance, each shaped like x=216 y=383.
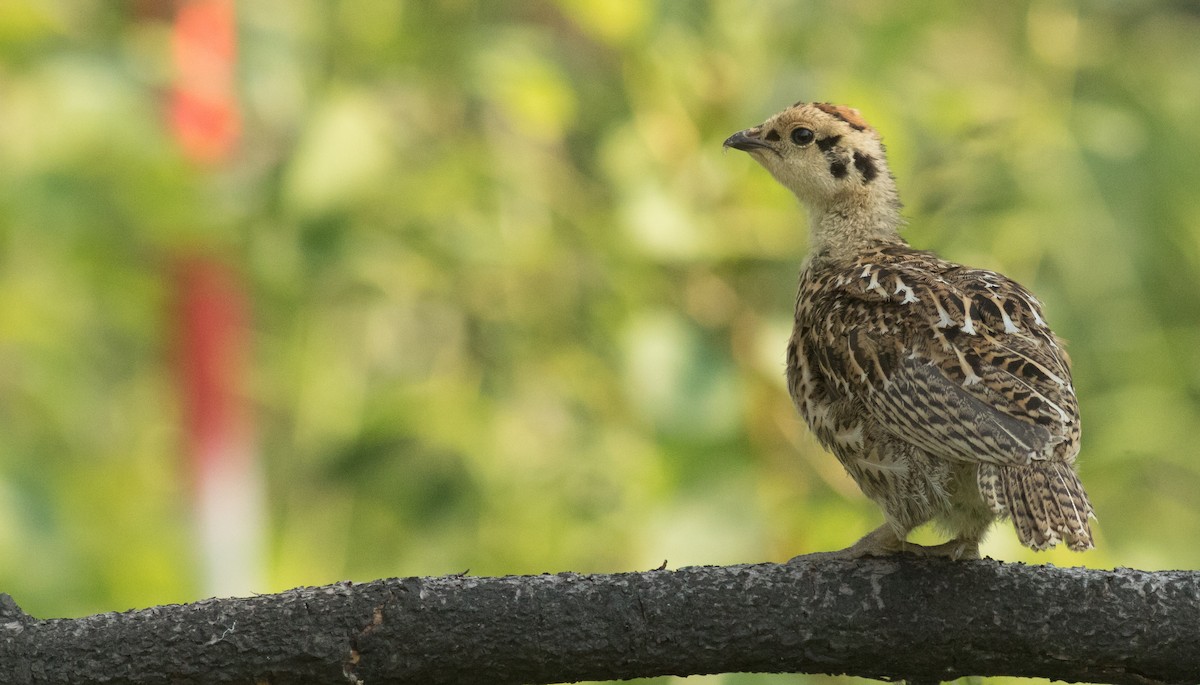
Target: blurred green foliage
x=514 y=310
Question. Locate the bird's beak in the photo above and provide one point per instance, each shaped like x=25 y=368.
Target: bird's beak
x=744 y=142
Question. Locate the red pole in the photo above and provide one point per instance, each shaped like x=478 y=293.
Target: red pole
x=212 y=318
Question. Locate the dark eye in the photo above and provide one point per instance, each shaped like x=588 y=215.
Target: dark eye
x=803 y=136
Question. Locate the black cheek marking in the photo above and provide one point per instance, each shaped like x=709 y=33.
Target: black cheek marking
x=772 y=136
x=838 y=169
x=827 y=143
x=866 y=166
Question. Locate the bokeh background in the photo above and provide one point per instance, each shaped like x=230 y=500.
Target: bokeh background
x=507 y=307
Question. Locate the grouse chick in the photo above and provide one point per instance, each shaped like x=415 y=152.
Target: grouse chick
x=939 y=387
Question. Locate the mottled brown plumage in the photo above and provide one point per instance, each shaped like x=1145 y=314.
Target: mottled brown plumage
x=939 y=387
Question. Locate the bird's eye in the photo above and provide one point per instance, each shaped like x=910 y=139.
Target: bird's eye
x=803 y=136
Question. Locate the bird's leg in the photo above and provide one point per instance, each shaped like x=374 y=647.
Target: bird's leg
x=881 y=542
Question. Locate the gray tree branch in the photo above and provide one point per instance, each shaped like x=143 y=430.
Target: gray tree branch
x=924 y=620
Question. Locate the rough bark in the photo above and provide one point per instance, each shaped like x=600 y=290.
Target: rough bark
x=889 y=618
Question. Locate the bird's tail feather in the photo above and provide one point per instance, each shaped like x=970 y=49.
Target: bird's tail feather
x=1044 y=499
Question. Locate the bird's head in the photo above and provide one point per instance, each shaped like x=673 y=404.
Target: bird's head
x=827 y=155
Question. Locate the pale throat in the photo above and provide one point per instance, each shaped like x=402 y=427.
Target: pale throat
x=844 y=226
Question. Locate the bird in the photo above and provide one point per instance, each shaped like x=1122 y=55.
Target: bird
x=939 y=387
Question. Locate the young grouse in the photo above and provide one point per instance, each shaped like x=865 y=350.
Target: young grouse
x=939 y=387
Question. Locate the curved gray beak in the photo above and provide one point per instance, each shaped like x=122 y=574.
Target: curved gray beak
x=741 y=141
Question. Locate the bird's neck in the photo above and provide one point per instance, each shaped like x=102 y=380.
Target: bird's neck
x=843 y=227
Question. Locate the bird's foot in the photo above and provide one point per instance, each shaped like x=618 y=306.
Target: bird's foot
x=955 y=549
x=884 y=541
x=881 y=542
